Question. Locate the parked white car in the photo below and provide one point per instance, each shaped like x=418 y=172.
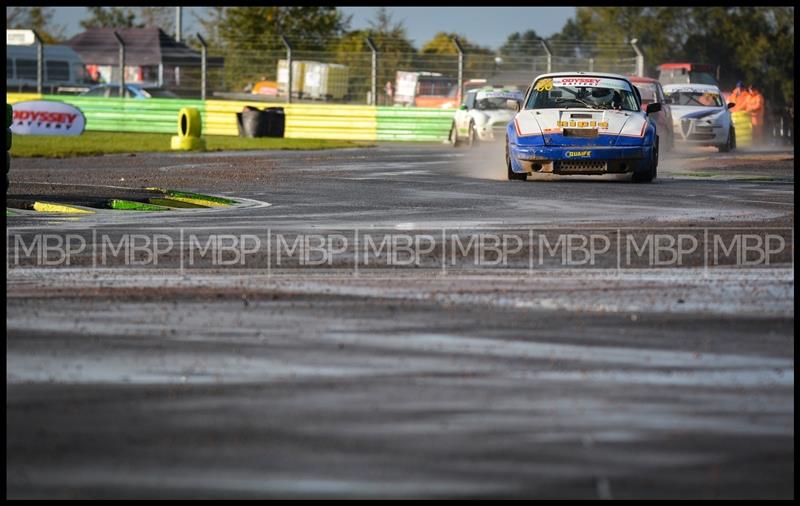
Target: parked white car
x=483 y=115
x=700 y=116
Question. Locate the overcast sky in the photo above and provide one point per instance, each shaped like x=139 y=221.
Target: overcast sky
x=486 y=26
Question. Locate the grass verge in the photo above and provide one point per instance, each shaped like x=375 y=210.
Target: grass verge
x=103 y=143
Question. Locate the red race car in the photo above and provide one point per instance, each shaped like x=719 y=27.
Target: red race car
x=652 y=92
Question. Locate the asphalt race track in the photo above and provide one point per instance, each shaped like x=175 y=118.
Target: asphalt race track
x=444 y=378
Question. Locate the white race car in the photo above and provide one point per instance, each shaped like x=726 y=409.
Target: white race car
x=483 y=115
x=700 y=116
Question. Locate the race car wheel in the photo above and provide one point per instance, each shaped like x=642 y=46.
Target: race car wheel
x=513 y=176
x=730 y=144
x=453 y=137
x=648 y=172
x=472 y=139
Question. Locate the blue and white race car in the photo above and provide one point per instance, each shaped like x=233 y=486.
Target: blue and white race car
x=582 y=123
x=700 y=116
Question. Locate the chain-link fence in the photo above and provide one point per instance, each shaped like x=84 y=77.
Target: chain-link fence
x=352 y=74
x=347 y=76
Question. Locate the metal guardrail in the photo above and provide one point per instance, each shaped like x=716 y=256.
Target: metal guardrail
x=303 y=121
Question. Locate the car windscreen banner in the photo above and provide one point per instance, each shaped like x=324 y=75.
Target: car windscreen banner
x=43 y=117
x=506 y=94
x=582 y=82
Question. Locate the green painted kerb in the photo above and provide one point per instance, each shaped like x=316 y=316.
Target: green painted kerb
x=218 y=200
x=195 y=197
x=130 y=205
x=175 y=203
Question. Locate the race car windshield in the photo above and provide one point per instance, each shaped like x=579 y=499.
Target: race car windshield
x=490 y=104
x=695 y=98
x=491 y=101
x=565 y=93
x=647 y=91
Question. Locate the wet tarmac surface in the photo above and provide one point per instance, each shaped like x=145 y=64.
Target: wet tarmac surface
x=507 y=381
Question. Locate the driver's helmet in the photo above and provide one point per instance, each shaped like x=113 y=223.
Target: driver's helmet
x=607 y=96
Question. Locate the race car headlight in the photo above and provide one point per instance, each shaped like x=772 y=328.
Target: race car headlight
x=528 y=145
x=713 y=120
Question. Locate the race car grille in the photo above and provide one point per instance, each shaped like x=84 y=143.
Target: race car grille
x=685 y=126
x=582 y=166
x=580 y=132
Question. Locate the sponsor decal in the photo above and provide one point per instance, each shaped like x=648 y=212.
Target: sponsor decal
x=591 y=82
x=583 y=124
x=577 y=81
x=42 y=117
x=578 y=154
x=507 y=94
x=544 y=85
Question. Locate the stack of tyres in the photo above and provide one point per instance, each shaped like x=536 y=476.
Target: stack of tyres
x=253 y=122
x=276 y=121
x=9 y=119
x=743 y=126
x=190 y=128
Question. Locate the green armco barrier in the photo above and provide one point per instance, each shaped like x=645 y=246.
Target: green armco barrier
x=154 y=115
x=414 y=124
x=310 y=121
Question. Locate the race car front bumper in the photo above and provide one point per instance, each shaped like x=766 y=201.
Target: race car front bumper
x=572 y=160
x=488 y=133
x=695 y=132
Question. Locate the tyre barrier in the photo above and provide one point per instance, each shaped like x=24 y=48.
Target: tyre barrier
x=189 y=122
x=743 y=127
x=190 y=128
x=179 y=143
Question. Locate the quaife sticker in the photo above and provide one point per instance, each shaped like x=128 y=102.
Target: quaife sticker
x=43 y=117
x=578 y=154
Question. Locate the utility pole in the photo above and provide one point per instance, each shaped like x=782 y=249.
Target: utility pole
x=39 y=61
x=203 y=66
x=178 y=20
x=289 y=65
x=460 y=49
x=639 y=58
x=374 y=49
x=549 y=55
x=121 y=44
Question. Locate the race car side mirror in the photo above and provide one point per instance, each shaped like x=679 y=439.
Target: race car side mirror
x=731 y=105
x=513 y=105
x=654 y=107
